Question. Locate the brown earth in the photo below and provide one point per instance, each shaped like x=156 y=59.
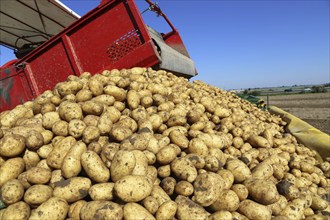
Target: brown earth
x=314 y=108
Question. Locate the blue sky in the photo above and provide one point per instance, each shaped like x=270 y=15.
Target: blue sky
x=245 y=44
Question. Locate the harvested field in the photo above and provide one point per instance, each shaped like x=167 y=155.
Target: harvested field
x=314 y=108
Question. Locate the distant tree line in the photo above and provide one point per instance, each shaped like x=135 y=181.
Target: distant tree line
x=319 y=89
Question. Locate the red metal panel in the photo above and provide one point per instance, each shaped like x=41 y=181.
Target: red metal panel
x=14 y=88
x=48 y=68
x=112 y=35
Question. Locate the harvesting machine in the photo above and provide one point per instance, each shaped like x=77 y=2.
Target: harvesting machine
x=52 y=42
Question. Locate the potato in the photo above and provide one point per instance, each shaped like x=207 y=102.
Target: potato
x=120 y=133
x=133 y=99
x=17 y=211
x=240 y=190
x=12 y=145
x=102 y=191
x=76 y=128
x=104 y=124
x=31 y=159
x=123 y=164
x=179 y=139
x=49 y=119
x=262 y=171
x=227 y=178
x=69 y=111
x=101 y=209
x=294 y=209
x=92 y=108
x=263 y=191
x=238 y=216
x=37 y=194
x=167 y=210
x=60 y=128
x=258 y=141
x=44 y=151
x=166 y=155
x=118 y=93
x=184 y=169
x=151 y=204
x=187 y=209
x=253 y=210
x=240 y=171
x=141 y=165
x=72 y=189
x=133 y=188
x=207 y=188
x=277 y=207
x=38 y=175
x=287 y=189
x=11 y=117
x=11 y=169
x=227 y=200
x=22 y=178
x=212 y=140
x=12 y=191
x=53 y=208
x=318 y=203
x=69 y=87
x=74 y=210
x=84 y=95
x=71 y=165
x=221 y=215
x=35 y=140
x=197 y=145
x=168 y=185
x=184 y=188
x=57 y=155
x=135 y=211
x=94 y=167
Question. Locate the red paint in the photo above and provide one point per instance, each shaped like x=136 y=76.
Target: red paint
x=113 y=35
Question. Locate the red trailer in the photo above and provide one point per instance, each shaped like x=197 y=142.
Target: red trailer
x=113 y=35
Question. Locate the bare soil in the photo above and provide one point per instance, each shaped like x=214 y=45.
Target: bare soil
x=314 y=108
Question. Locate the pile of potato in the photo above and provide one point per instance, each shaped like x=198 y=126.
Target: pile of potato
x=144 y=144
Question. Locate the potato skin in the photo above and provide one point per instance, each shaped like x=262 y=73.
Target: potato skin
x=263 y=191
x=135 y=211
x=102 y=191
x=71 y=165
x=11 y=169
x=17 y=211
x=69 y=111
x=74 y=210
x=184 y=169
x=37 y=194
x=38 y=175
x=94 y=167
x=207 y=188
x=61 y=148
x=53 y=208
x=167 y=210
x=253 y=210
x=227 y=200
x=101 y=210
x=72 y=189
x=12 y=145
x=187 y=209
x=133 y=188
x=239 y=169
x=12 y=191
x=123 y=164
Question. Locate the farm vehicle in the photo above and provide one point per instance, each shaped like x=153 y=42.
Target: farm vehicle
x=51 y=43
